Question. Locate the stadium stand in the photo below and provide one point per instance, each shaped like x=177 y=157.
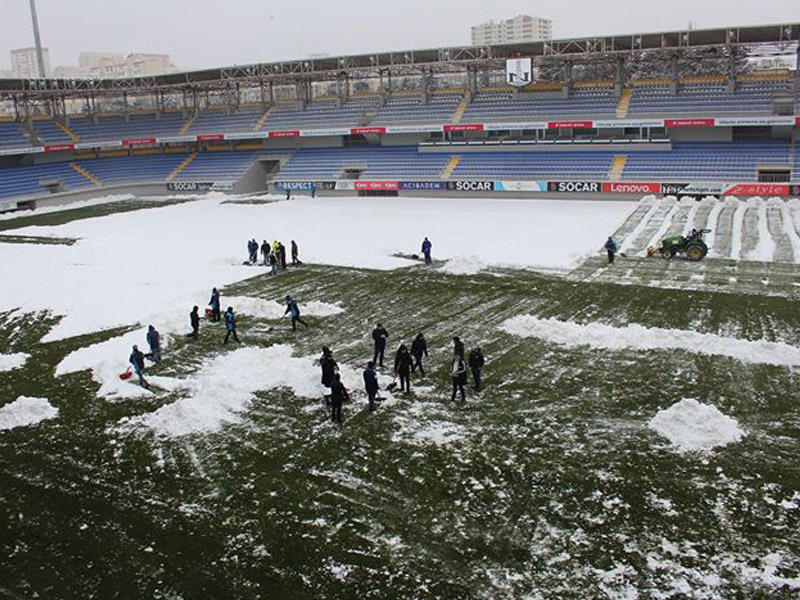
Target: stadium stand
x=390 y=162
x=28 y=180
x=534 y=165
x=117 y=127
x=213 y=121
x=499 y=107
x=12 y=135
x=413 y=109
x=124 y=169
x=738 y=161
x=320 y=114
x=50 y=132
x=711 y=100
x=222 y=166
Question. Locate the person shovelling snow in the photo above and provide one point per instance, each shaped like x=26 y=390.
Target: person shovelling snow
x=294 y=311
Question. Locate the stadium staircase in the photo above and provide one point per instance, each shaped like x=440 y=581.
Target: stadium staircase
x=624 y=103
x=460 y=110
x=181 y=167
x=188 y=124
x=617 y=167
x=261 y=120
x=67 y=130
x=79 y=169
x=450 y=167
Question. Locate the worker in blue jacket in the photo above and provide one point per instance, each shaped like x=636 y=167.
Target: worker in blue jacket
x=611 y=249
x=230 y=326
x=426 y=250
x=294 y=311
x=137 y=361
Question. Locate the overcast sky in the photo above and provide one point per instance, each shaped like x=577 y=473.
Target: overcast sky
x=212 y=33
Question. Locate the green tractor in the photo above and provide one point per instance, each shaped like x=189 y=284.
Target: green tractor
x=692 y=245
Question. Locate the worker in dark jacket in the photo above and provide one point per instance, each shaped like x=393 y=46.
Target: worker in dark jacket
x=282 y=255
x=137 y=361
x=154 y=341
x=230 y=326
x=379 y=336
x=419 y=348
x=459 y=376
x=338 y=396
x=294 y=311
x=214 y=304
x=458 y=347
x=295 y=254
x=402 y=368
x=194 y=320
x=329 y=369
x=611 y=249
x=476 y=362
x=265 y=251
x=371 y=384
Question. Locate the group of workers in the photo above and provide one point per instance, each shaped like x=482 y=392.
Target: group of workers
x=273 y=256
x=406 y=362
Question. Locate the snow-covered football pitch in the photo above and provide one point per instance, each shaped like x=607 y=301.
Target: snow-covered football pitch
x=637 y=436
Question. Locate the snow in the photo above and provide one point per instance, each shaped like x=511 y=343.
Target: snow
x=271 y=309
x=26 y=411
x=463 y=265
x=223 y=388
x=692 y=426
x=9 y=362
x=127 y=268
x=737 y=226
x=637 y=231
x=638 y=337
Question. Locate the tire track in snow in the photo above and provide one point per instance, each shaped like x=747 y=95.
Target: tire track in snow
x=711 y=223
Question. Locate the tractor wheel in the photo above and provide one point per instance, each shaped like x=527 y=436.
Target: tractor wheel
x=666 y=253
x=695 y=252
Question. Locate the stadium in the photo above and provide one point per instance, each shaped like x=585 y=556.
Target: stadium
x=615 y=226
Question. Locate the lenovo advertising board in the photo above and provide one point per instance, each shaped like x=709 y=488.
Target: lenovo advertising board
x=631 y=187
x=519 y=71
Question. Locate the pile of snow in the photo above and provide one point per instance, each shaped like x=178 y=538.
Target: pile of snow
x=270 y=309
x=223 y=388
x=26 y=411
x=638 y=337
x=691 y=426
x=115 y=277
x=9 y=362
x=764 y=249
x=464 y=265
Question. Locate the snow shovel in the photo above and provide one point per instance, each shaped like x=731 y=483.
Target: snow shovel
x=391 y=386
x=126 y=375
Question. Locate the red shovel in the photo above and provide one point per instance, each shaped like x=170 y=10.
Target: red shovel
x=126 y=375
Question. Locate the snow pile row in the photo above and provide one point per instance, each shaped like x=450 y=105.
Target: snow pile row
x=224 y=386
x=9 y=362
x=463 y=265
x=693 y=426
x=26 y=411
x=638 y=337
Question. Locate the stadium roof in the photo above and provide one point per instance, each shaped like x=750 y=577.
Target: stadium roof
x=410 y=61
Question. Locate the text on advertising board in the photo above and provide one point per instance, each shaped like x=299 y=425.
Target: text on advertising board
x=471 y=186
x=573 y=186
